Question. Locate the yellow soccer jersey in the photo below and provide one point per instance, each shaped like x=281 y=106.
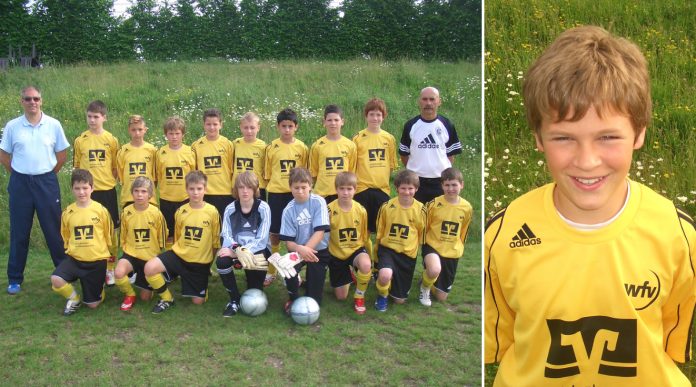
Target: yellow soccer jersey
x=143 y=233
x=214 y=158
x=446 y=226
x=348 y=229
x=133 y=162
x=376 y=158
x=87 y=232
x=280 y=159
x=250 y=157
x=326 y=159
x=196 y=233
x=171 y=166
x=401 y=229
x=606 y=307
x=97 y=153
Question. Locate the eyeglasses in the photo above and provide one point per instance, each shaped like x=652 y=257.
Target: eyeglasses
x=29 y=99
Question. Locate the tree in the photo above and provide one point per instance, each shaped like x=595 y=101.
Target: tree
x=16 y=28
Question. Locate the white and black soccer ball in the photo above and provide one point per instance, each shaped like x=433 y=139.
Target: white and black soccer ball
x=305 y=311
x=253 y=302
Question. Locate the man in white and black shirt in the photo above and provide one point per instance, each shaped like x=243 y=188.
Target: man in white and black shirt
x=428 y=145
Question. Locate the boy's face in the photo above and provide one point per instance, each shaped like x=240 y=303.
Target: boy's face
x=174 y=138
x=345 y=192
x=141 y=196
x=244 y=193
x=374 y=119
x=82 y=192
x=212 y=126
x=249 y=130
x=589 y=160
x=286 y=130
x=95 y=120
x=333 y=123
x=196 y=192
x=137 y=131
x=300 y=191
x=406 y=191
x=452 y=188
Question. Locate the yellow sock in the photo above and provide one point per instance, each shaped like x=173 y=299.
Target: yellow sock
x=361 y=286
x=124 y=286
x=368 y=247
x=427 y=281
x=113 y=250
x=383 y=290
x=160 y=286
x=67 y=291
x=272 y=269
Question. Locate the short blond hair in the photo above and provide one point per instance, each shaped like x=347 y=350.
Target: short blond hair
x=588 y=67
x=346 y=178
x=136 y=119
x=250 y=117
x=143 y=181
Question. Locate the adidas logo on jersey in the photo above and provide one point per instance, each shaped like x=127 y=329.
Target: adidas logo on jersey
x=524 y=237
x=428 y=143
x=304 y=218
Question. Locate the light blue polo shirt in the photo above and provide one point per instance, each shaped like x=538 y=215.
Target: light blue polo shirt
x=33 y=148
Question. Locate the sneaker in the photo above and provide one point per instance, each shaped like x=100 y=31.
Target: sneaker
x=161 y=306
x=424 y=297
x=287 y=307
x=71 y=307
x=231 y=309
x=381 y=303
x=110 y=278
x=13 y=289
x=359 y=305
x=127 y=303
x=268 y=280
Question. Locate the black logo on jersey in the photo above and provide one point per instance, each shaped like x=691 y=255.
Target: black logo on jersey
x=347 y=235
x=245 y=164
x=643 y=295
x=428 y=143
x=376 y=154
x=399 y=231
x=136 y=169
x=193 y=233
x=449 y=228
x=595 y=344
x=212 y=162
x=141 y=235
x=97 y=155
x=83 y=232
x=287 y=165
x=174 y=173
x=524 y=237
x=334 y=163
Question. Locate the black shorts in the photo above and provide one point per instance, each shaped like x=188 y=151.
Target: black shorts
x=138 y=271
x=168 y=210
x=277 y=202
x=91 y=275
x=330 y=198
x=339 y=269
x=108 y=199
x=194 y=276
x=220 y=202
x=447 y=272
x=402 y=267
x=429 y=189
x=262 y=195
x=372 y=199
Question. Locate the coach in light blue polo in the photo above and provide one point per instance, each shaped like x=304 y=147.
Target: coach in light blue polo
x=32 y=150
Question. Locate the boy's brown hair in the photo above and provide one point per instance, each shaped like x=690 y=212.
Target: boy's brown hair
x=143 y=181
x=328 y=109
x=375 y=104
x=174 y=123
x=300 y=175
x=346 y=178
x=196 y=177
x=97 y=106
x=81 y=176
x=452 y=174
x=588 y=67
x=246 y=179
x=405 y=176
x=212 y=113
x=136 y=119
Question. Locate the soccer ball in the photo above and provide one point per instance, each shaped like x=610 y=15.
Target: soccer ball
x=253 y=302
x=305 y=311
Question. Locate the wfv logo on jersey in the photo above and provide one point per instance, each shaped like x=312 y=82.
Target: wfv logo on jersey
x=643 y=294
x=592 y=345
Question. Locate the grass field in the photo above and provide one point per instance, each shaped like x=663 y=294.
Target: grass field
x=408 y=345
x=517 y=32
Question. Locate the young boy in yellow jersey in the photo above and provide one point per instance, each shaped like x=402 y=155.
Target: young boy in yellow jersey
x=214 y=156
x=172 y=163
x=375 y=161
x=143 y=236
x=196 y=239
x=95 y=150
x=347 y=240
x=282 y=155
x=250 y=151
x=86 y=228
x=134 y=159
x=589 y=279
x=400 y=226
x=331 y=154
x=447 y=220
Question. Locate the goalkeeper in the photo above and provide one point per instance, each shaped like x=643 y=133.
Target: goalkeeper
x=245 y=245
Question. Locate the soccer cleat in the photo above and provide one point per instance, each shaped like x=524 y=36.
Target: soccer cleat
x=71 y=307
x=359 y=305
x=287 y=307
x=110 y=278
x=231 y=309
x=268 y=280
x=424 y=297
x=13 y=289
x=127 y=303
x=381 y=303
x=161 y=306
